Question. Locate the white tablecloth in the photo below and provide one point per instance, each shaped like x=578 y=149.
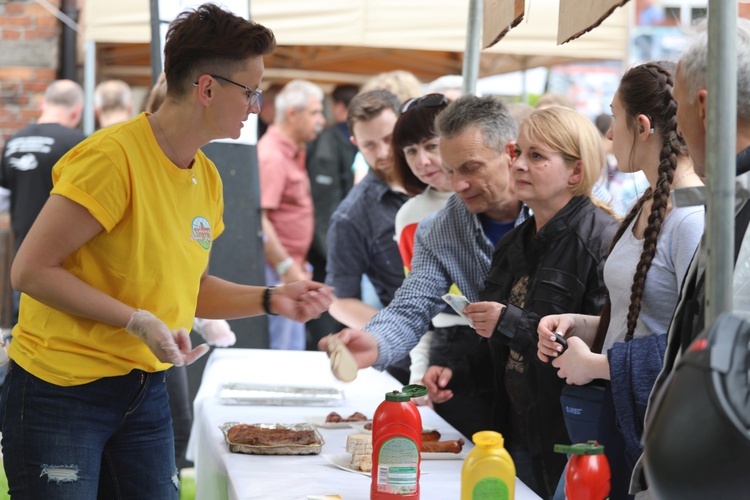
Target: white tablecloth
x=224 y=475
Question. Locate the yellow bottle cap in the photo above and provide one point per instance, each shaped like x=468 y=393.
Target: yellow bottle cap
x=487 y=438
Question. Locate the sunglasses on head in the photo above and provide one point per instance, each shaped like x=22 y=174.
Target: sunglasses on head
x=426 y=101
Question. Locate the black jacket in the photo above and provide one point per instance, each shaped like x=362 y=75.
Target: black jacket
x=329 y=165
x=565 y=270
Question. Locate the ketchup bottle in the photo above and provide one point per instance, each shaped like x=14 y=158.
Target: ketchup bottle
x=587 y=473
x=396 y=441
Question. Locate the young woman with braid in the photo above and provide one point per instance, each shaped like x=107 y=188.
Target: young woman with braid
x=643 y=273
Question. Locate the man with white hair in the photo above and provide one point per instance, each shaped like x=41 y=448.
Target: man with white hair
x=285 y=198
x=113 y=102
x=451 y=86
x=29 y=155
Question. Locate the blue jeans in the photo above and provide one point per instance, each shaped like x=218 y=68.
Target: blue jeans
x=108 y=439
x=524 y=466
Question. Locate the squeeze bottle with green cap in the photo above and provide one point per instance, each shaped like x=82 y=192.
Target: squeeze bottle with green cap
x=396 y=441
x=587 y=474
x=488 y=472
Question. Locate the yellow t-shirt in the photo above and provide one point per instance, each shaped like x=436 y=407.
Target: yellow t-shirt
x=158 y=229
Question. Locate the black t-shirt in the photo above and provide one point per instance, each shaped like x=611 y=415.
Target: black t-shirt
x=26 y=169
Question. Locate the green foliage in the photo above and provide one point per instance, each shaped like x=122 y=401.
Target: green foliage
x=3 y=484
x=187 y=487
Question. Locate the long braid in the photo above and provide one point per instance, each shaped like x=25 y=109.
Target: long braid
x=647 y=89
x=672 y=148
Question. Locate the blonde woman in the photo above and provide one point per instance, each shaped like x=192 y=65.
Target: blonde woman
x=551 y=263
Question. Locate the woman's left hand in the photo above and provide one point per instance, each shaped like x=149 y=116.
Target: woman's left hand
x=301 y=300
x=577 y=363
x=484 y=316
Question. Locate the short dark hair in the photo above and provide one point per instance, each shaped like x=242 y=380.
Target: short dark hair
x=368 y=105
x=415 y=125
x=209 y=39
x=344 y=93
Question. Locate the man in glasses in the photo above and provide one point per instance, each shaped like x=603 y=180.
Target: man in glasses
x=455 y=246
x=285 y=198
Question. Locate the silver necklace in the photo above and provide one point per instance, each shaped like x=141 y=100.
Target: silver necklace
x=677 y=182
x=192 y=174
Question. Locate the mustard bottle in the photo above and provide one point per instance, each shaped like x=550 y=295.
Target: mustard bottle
x=488 y=471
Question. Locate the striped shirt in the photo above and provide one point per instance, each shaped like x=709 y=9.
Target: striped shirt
x=449 y=248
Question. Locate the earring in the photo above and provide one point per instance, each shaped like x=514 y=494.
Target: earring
x=651 y=131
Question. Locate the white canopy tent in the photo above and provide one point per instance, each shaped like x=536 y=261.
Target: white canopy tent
x=339 y=40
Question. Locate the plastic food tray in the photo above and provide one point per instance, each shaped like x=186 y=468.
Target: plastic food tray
x=255 y=394
x=285 y=449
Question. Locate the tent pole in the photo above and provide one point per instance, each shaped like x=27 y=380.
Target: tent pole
x=89 y=82
x=721 y=146
x=473 y=47
x=155 y=47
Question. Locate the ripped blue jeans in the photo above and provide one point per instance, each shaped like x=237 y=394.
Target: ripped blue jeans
x=108 y=439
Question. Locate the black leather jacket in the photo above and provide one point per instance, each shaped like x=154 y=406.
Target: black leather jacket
x=565 y=276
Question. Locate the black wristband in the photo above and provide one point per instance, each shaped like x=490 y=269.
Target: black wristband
x=267 y=300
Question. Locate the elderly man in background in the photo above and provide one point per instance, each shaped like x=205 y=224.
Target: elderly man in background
x=29 y=155
x=113 y=102
x=285 y=200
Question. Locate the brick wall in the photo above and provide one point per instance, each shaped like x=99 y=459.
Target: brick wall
x=29 y=46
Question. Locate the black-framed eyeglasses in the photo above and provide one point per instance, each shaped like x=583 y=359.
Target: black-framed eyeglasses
x=426 y=101
x=251 y=95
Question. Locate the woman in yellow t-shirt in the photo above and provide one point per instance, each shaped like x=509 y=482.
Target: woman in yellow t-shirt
x=115 y=268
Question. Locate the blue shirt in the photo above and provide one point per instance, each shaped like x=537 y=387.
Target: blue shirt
x=494 y=230
x=449 y=248
x=361 y=241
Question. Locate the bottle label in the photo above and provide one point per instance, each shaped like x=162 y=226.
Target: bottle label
x=490 y=488
x=398 y=463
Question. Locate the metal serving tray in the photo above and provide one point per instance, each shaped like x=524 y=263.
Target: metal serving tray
x=286 y=449
x=256 y=394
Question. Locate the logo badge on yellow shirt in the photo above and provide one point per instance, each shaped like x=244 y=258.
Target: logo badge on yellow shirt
x=201 y=232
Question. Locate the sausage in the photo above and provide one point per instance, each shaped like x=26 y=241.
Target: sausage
x=333 y=417
x=431 y=435
x=454 y=446
x=356 y=417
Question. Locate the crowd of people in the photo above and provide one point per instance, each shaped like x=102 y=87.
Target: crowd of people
x=641 y=277
x=412 y=192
